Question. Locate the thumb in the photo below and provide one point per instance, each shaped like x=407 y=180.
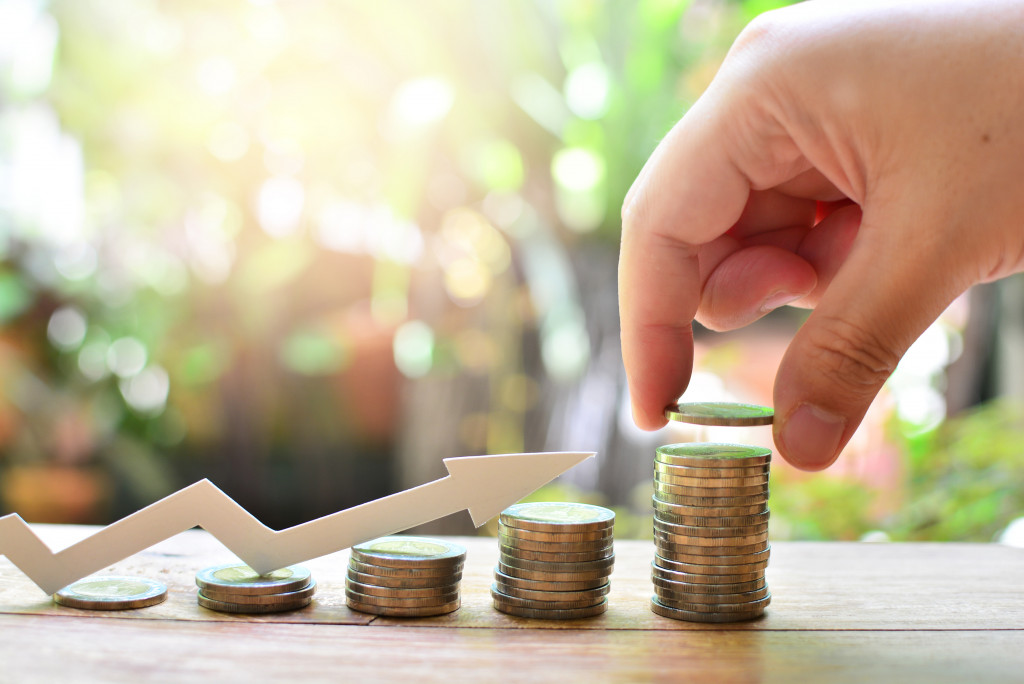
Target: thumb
x=893 y=285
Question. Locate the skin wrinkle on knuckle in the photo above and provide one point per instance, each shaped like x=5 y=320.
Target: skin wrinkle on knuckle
x=853 y=357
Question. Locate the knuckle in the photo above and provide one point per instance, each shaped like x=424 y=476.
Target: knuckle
x=856 y=358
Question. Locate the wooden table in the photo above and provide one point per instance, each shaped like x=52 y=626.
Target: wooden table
x=841 y=612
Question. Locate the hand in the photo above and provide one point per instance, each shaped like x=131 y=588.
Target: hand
x=862 y=159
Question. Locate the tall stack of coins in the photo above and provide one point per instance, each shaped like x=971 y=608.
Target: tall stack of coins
x=555 y=560
x=237 y=588
x=404 y=576
x=711 y=521
x=111 y=593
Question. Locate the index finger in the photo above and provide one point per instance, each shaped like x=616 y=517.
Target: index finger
x=688 y=193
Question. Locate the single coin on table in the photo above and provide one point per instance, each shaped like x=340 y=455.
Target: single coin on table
x=720 y=413
x=111 y=593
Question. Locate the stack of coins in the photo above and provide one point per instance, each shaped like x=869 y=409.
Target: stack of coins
x=237 y=588
x=404 y=576
x=555 y=560
x=111 y=593
x=711 y=521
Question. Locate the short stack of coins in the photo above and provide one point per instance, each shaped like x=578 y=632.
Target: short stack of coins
x=404 y=576
x=555 y=560
x=711 y=521
x=237 y=588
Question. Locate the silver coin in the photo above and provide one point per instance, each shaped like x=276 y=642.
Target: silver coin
x=668 y=508
x=717 y=607
x=696 y=521
x=557 y=516
x=557 y=596
x=704 y=568
x=239 y=578
x=687 y=553
x=215 y=594
x=709 y=589
x=404 y=582
x=406 y=592
x=402 y=551
x=250 y=609
x=670 y=596
x=393 y=602
x=565 y=536
x=111 y=592
x=763 y=469
x=507 y=600
x=761 y=500
x=698 y=531
x=548 y=576
x=711 y=482
x=721 y=413
x=550 y=566
x=557 y=557
x=694 y=616
x=706 y=557
x=552 y=614
x=710 y=455
x=725 y=579
x=539 y=585
x=687 y=540
x=410 y=572
x=394 y=611
x=600 y=545
x=710 y=491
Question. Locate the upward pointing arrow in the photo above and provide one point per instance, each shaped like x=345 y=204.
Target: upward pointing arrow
x=485 y=485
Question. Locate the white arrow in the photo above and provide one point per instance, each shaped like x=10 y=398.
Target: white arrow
x=485 y=485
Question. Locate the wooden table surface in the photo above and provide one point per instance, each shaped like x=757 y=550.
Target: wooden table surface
x=840 y=612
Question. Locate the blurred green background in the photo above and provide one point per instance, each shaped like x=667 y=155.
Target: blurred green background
x=308 y=249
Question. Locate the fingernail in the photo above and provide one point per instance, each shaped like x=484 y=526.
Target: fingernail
x=810 y=438
x=778 y=299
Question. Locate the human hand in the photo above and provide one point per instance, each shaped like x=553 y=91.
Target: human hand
x=862 y=159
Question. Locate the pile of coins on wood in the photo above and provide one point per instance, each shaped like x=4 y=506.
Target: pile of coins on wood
x=554 y=560
x=711 y=521
x=237 y=588
x=404 y=576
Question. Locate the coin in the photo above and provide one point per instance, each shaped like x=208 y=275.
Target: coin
x=660 y=507
x=519 y=583
x=718 y=607
x=710 y=589
x=710 y=492
x=687 y=553
x=229 y=607
x=556 y=547
x=714 y=501
x=560 y=537
x=720 y=413
x=401 y=602
x=559 y=557
x=410 y=552
x=410 y=572
x=216 y=594
x=711 y=482
x=111 y=592
x=404 y=582
x=687 y=540
x=713 y=472
x=400 y=592
x=585 y=601
x=557 y=596
x=550 y=566
x=702 y=578
x=392 y=611
x=711 y=568
x=709 y=521
x=548 y=576
x=671 y=596
x=554 y=614
x=712 y=455
x=699 y=531
x=239 y=578
x=556 y=516
x=694 y=616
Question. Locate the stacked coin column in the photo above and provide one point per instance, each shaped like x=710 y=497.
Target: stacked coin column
x=554 y=561
x=710 y=532
x=404 y=576
x=237 y=588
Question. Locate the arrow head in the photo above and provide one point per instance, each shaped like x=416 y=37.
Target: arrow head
x=490 y=484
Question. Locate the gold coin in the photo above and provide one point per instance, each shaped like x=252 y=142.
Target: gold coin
x=393 y=611
x=720 y=413
x=393 y=602
x=215 y=594
x=111 y=593
x=392 y=592
x=557 y=516
x=250 y=609
x=694 y=616
x=710 y=455
x=402 y=551
x=239 y=578
x=404 y=582
x=553 y=614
